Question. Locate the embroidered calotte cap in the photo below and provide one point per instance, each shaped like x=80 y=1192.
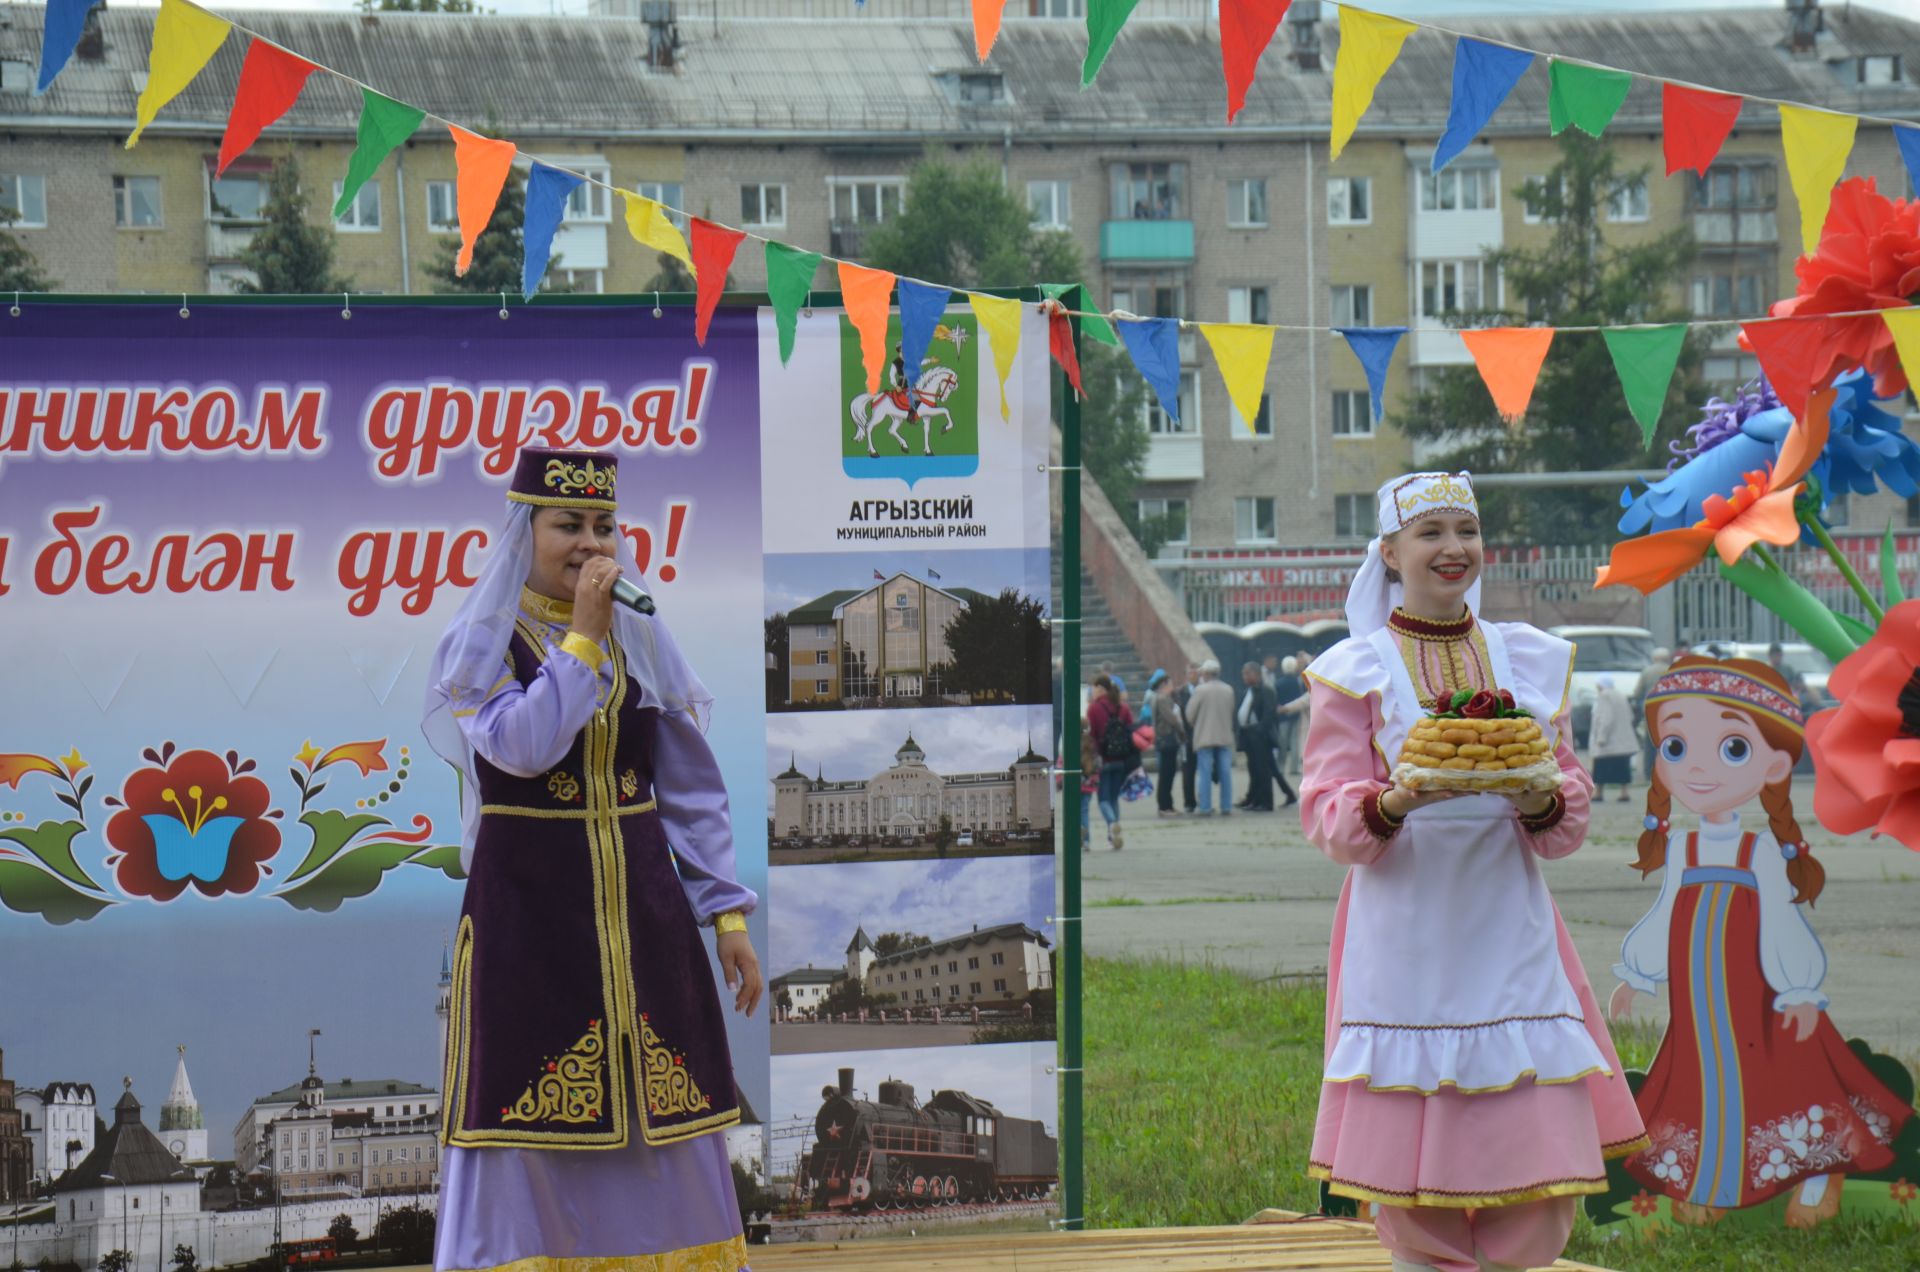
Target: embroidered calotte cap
x=1722 y=683
x=564 y=479
x=1406 y=499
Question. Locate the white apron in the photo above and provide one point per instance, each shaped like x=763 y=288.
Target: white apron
x=1450 y=975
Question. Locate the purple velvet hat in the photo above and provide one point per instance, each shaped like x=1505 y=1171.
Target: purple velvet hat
x=564 y=479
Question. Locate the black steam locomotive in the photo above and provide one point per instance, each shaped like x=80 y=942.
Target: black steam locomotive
x=896 y=1154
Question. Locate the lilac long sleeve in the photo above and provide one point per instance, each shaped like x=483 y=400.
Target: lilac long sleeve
x=526 y=729
x=699 y=825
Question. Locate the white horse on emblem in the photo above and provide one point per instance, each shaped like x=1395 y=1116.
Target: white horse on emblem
x=871 y=410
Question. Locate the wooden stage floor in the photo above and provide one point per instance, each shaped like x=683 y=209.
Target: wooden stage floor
x=1273 y=1240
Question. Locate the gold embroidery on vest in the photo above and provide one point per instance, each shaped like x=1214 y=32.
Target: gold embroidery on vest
x=670 y=1088
x=573 y=1089
x=629 y=784
x=563 y=786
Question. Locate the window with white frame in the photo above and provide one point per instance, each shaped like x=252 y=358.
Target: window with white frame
x=763 y=206
x=1353 y=305
x=669 y=193
x=23 y=200
x=1350 y=200
x=364 y=212
x=579 y=281
x=136 y=202
x=1730 y=292
x=443 y=208
x=589 y=203
x=1160 y=424
x=1352 y=413
x=1262 y=419
x=16 y=75
x=1452 y=287
x=1354 y=516
x=1249 y=304
x=1149 y=191
x=1247 y=203
x=1535 y=195
x=1151 y=298
x=238 y=198
x=1878 y=68
x=1050 y=204
x=1253 y=519
x=1629 y=202
x=1172 y=514
x=1472 y=188
x=1056 y=8
x=865 y=200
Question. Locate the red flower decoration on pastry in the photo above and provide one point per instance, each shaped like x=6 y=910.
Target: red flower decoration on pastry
x=1484 y=705
x=1506 y=699
x=1866 y=751
x=192 y=818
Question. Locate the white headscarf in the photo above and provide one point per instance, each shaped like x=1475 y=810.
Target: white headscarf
x=1403 y=501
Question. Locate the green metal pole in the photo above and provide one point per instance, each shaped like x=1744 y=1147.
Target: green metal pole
x=1072 y=1165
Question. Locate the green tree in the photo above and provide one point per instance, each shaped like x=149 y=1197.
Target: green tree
x=497 y=253
x=1001 y=649
x=408 y=1232
x=184 y=1259
x=116 y=1261
x=1113 y=439
x=19 y=271
x=962 y=227
x=893 y=942
x=289 y=255
x=1578 y=417
x=343 y=1232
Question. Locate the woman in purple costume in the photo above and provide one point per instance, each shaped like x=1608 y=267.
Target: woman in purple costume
x=588 y=1082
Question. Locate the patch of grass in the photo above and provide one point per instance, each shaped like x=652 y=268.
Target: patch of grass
x=1108 y=903
x=1840 y=1245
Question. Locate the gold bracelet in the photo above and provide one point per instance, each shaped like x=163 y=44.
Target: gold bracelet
x=729 y=921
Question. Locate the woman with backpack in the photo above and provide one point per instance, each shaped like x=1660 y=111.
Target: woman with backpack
x=1110 y=723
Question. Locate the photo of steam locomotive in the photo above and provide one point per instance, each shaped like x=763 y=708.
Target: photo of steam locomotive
x=893 y=1153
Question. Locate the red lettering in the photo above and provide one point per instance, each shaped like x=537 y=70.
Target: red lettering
x=31 y=412
x=168 y=565
x=109 y=552
x=449 y=424
x=652 y=411
x=278 y=431
x=48 y=575
x=212 y=404
x=458 y=573
x=279 y=562
x=4 y=589
x=394 y=440
x=498 y=428
x=599 y=421
x=560 y=413
x=362 y=569
x=151 y=410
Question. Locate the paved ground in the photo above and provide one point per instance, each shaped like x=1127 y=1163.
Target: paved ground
x=1249 y=892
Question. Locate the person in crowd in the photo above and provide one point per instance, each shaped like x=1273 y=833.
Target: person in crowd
x=1301 y=712
x=1110 y=720
x=1189 y=758
x=1611 y=741
x=1796 y=683
x=1210 y=716
x=1119 y=683
x=1286 y=690
x=1256 y=721
x=1089 y=782
x=1657 y=663
x=1169 y=739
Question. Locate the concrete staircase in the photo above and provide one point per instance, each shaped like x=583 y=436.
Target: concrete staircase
x=1102 y=641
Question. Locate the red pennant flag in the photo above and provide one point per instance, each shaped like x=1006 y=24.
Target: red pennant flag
x=1060 y=341
x=1246 y=28
x=1509 y=359
x=713 y=247
x=1696 y=125
x=986 y=25
x=270 y=79
x=1791 y=352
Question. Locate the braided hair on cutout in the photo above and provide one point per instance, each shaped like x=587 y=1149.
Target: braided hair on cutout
x=1653 y=840
x=1806 y=875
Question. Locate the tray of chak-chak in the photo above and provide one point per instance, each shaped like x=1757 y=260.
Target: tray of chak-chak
x=1481 y=742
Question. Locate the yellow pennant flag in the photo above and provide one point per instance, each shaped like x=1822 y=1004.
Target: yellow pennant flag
x=1817 y=143
x=1242 y=351
x=648 y=223
x=1369 y=42
x=184 y=40
x=1000 y=319
x=1905 y=326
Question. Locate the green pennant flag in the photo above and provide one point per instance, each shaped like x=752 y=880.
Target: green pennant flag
x=1104 y=20
x=789 y=279
x=1093 y=326
x=384 y=124
x=1587 y=97
x=1644 y=358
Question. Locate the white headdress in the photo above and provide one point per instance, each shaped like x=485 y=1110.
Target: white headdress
x=1403 y=501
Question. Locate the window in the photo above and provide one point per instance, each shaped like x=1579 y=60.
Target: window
x=443 y=211
x=581 y=281
x=1262 y=419
x=1149 y=191
x=1057 y=8
x=136 y=202
x=823 y=686
x=1536 y=196
x=1629 y=202
x=1734 y=294
x=1050 y=204
x=303 y=1139
x=1468 y=189
x=1453 y=287
x=364 y=212
x=1353 y=306
x=1151 y=299
x=973 y=987
x=980 y=88
x=1160 y=424
x=865 y=202
x=1253 y=519
x=1248 y=304
x=1247 y=202
x=1736 y=185
x=823 y=656
x=238 y=197
x=1172 y=515
x=389 y=1114
x=286 y=1161
x=1350 y=201
x=16 y=76
x=670 y=193
x=1352 y=413
x=588 y=202
x=1000 y=986
x=999 y=960
x=952 y=967
x=1353 y=516
x=1878 y=68
x=25 y=196
x=763 y=205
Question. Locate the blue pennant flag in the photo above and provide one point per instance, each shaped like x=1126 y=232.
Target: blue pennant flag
x=1374 y=347
x=548 y=190
x=66 y=19
x=1483 y=75
x=1909 y=139
x=921 y=307
x=1154 y=345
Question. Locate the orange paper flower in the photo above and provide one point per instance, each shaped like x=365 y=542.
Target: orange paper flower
x=1867 y=749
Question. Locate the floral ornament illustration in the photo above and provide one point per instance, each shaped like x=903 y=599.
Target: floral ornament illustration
x=192 y=818
x=1867 y=750
x=349 y=853
x=38 y=871
x=368 y=757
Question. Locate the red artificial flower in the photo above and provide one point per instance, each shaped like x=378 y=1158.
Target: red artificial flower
x=1868 y=258
x=1903 y=1191
x=1506 y=700
x=1866 y=751
x=191 y=820
x=1484 y=705
x=1645 y=1204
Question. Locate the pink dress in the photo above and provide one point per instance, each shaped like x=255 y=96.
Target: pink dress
x=1467 y=1062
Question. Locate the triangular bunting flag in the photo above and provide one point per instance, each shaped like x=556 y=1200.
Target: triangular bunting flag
x=270 y=79
x=1509 y=359
x=185 y=39
x=59 y=37
x=789 y=279
x=1644 y=359
x=1242 y=351
x=1154 y=346
x=1483 y=75
x=1246 y=28
x=1904 y=324
x=1790 y=352
x=1909 y=139
x=480 y=166
x=1588 y=97
x=102 y=670
x=242 y=665
x=380 y=668
x=920 y=309
x=1060 y=344
x=384 y=124
x=1369 y=42
x=713 y=249
x=865 y=294
x=1092 y=325
x=1695 y=124
x=548 y=190
x=650 y=226
x=1817 y=143
x=1374 y=347
x=1104 y=20
x=986 y=26
x=1000 y=319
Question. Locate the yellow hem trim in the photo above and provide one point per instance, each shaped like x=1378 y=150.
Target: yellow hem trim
x=1461 y=1201
x=1446 y=1088
x=685 y=1130
x=570 y=814
x=1315 y=676
x=585 y=650
x=1610 y=1151
x=563 y=501
x=716 y=1256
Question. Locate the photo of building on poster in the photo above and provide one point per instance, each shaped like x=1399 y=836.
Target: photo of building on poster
x=873 y=1142
x=911 y=954
x=907 y=629
x=876 y=786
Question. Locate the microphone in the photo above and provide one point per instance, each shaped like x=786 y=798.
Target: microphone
x=631 y=594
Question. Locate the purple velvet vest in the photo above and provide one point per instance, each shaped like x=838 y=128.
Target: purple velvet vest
x=580 y=979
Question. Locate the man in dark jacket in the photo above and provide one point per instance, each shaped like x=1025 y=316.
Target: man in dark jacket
x=1189 y=760
x=1256 y=720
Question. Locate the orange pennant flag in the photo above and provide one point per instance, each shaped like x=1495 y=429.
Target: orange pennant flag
x=986 y=25
x=481 y=165
x=1509 y=359
x=865 y=293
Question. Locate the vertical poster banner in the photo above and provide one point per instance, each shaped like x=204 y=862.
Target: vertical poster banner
x=911 y=950
x=229 y=864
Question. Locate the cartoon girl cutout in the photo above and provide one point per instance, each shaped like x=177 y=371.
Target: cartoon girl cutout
x=1753 y=1092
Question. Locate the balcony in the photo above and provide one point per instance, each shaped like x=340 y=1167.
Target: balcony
x=1174 y=457
x=1719 y=228
x=227 y=240
x=1146 y=241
